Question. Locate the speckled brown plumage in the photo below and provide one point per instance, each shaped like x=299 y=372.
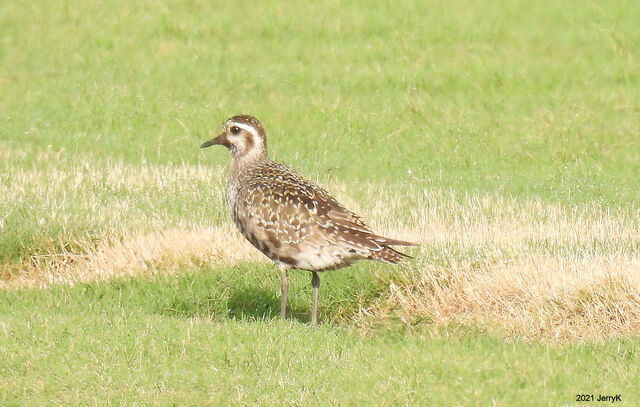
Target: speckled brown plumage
x=294 y=222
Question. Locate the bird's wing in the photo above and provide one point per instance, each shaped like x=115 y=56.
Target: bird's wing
x=295 y=209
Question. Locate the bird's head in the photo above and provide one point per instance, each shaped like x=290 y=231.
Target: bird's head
x=243 y=135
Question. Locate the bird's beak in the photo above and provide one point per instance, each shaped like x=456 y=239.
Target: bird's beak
x=221 y=139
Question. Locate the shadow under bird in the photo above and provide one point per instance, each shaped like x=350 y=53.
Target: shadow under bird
x=294 y=222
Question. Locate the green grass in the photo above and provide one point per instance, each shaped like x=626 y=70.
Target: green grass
x=528 y=98
x=103 y=106
x=214 y=337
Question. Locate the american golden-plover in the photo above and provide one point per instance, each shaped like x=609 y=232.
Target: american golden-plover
x=290 y=219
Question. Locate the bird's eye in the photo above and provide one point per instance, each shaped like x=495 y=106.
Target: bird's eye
x=235 y=130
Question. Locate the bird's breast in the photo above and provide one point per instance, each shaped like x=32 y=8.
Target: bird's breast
x=232 y=196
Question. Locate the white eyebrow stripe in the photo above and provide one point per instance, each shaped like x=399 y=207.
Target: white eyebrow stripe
x=246 y=127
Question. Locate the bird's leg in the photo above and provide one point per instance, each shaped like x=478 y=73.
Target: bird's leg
x=315 y=283
x=284 y=289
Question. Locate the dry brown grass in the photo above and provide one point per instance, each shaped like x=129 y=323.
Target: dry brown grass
x=533 y=268
x=162 y=251
x=550 y=298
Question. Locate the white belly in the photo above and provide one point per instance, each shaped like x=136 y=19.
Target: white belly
x=324 y=258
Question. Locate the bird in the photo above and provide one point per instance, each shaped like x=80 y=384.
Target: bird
x=294 y=222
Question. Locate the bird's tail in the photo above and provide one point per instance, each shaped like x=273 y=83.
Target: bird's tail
x=394 y=242
x=388 y=255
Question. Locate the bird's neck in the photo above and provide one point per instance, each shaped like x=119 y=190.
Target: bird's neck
x=241 y=163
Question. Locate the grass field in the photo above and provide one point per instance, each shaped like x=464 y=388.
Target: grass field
x=503 y=136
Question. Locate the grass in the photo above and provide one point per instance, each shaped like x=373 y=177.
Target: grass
x=503 y=137
x=209 y=337
x=533 y=98
x=529 y=267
